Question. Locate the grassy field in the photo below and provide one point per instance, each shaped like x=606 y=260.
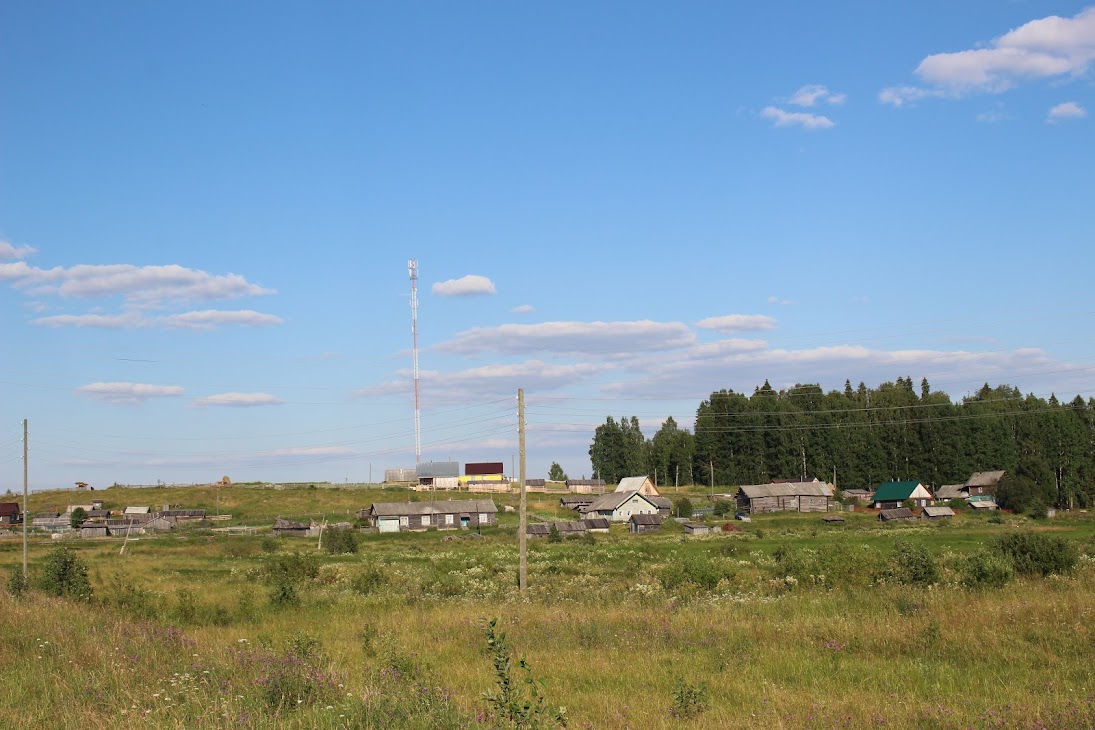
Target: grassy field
x=790 y=623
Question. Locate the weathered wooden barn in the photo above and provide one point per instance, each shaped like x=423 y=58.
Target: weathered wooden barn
x=575 y=502
x=565 y=529
x=984 y=482
x=597 y=524
x=784 y=497
x=937 y=513
x=696 y=528
x=290 y=528
x=947 y=492
x=898 y=514
x=586 y=486
x=448 y=514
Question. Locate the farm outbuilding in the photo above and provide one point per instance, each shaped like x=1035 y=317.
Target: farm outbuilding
x=290 y=528
x=696 y=528
x=565 y=529
x=574 y=502
x=664 y=505
x=10 y=513
x=93 y=529
x=586 y=486
x=937 y=513
x=784 y=497
x=947 y=492
x=597 y=524
x=437 y=515
x=898 y=514
x=644 y=523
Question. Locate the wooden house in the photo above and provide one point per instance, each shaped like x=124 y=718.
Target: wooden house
x=620 y=506
x=50 y=521
x=10 y=514
x=898 y=514
x=449 y=514
x=947 y=492
x=937 y=513
x=859 y=495
x=984 y=482
x=644 y=523
x=643 y=485
x=586 y=486
x=696 y=528
x=94 y=529
x=664 y=505
x=892 y=495
x=784 y=497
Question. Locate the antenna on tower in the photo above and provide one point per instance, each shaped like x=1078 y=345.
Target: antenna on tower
x=412 y=267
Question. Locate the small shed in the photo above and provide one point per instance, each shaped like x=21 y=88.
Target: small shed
x=574 y=502
x=538 y=529
x=161 y=523
x=289 y=528
x=597 y=524
x=696 y=528
x=143 y=510
x=896 y=515
x=10 y=513
x=644 y=523
x=536 y=483
x=833 y=519
x=983 y=503
x=586 y=486
x=937 y=513
x=93 y=529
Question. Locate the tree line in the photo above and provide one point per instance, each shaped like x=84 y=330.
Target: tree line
x=861 y=437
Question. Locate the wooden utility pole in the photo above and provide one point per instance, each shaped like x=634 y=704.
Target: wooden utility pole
x=24 y=499
x=522 y=538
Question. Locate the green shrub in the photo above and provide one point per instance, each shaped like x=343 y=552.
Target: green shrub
x=722 y=508
x=913 y=564
x=1037 y=510
x=64 y=574
x=17 y=583
x=1036 y=553
x=269 y=544
x=699 y=571
x=136 y=602
x=553 y=534
x=683 y=507
x=78 y=517
x=985 y=569
x=369 y=580
x=996 y=519
x=340 y=541
x=517 y=702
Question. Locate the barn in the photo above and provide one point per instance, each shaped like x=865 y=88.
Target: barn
x=448 y=514
x=784 y=497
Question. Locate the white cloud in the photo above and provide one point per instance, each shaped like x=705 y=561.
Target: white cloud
x=524 y=309
x=209 y=318
x=489 y=381
x=199 y=320
x=991 y=117
x=738 y=323
x=1048 y=47
x=781 y=118
x=1066 y=110
x=777 y=300
x=238 y=400
x=128 y=392
x=811 y=94
x=467 y=286
x=8 y=251
x=606 y=338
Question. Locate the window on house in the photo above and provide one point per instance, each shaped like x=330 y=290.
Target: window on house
x=404 y=521
x=448 y=519
x=483 y=518
x=425 y=519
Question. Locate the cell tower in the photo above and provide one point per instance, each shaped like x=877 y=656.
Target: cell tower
x=412 y=267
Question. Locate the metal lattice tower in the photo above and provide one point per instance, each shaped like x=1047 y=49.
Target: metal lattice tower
x=412 y=267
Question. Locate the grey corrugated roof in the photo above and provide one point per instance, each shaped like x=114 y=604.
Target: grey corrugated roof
x=585 y=482
x=280 y=524
x=662 y=502
x=646 y=519
x=787 y=489
x=900 y=513
x=597 y=523
x=985 y=478
x=938 y=512
x=439 y=507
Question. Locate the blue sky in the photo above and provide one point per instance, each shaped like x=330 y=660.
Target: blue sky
x=206 y=212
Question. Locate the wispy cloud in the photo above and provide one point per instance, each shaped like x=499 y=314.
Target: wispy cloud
x=9 y=252
x=524 y=309
x=1066 y=110
x=1050 y=47
x=489 y=381
x=135 y=319
x=781 y=118
x=238 y=400
x=812 y=94
x=128 y=392
x=777 y=300
x=471 y=285
x=604 y=338
x=738 y=323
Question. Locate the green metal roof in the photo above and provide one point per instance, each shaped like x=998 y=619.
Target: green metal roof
x=895 y=491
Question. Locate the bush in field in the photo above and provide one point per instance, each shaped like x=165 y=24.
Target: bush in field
x=838 y=564
x=912 y=564
x=683 y=507
x=984 y=569
x=369 y=580
x=689 y=700
x=517 y=703
x=285 y=572
x=1037 y=510
x=699 y=571
x=17 y=583
x=722 y=508
x=136 y=602
x=1036 y=553
x=64 y=574
x=268 y=544
x=339 y=541
x=553 y=534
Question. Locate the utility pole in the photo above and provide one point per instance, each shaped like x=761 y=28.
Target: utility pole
x=522 y=538
x=711 y=464
x=677 y=481
x=24 y=499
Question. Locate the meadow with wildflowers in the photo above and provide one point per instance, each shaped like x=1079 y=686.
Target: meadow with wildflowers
x=788 y=623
